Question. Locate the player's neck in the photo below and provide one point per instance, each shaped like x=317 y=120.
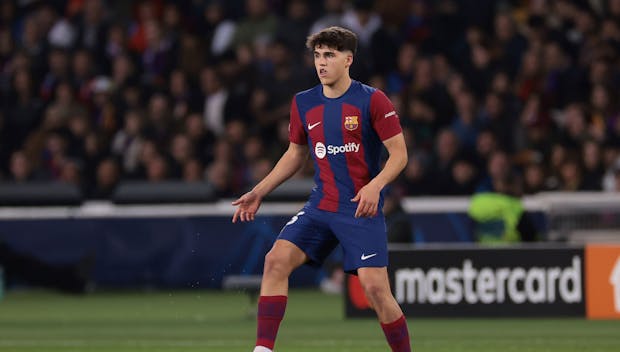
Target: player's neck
x=338 y=88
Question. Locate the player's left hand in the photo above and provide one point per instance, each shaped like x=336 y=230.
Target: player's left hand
x=368 y=200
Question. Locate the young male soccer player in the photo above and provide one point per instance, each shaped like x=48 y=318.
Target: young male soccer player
x=345 y=123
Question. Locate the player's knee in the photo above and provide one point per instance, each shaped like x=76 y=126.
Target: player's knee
x=374 y=291
x=277 y=264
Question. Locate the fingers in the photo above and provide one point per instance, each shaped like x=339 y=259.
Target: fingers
x=246 y=208
x=239 y=200
x=366 y=209
x=235 y=216
x=356 y=198
x=247 y=216
x=243 y=215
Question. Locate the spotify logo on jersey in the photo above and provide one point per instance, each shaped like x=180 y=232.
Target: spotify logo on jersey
x=319 y=150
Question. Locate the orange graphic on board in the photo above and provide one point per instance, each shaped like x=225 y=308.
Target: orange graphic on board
x=356 y=293
x=602 y=281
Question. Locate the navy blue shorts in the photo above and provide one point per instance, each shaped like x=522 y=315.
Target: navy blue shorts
x=317 y=233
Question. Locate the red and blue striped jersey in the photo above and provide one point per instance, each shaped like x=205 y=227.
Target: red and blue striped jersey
x=345 y=137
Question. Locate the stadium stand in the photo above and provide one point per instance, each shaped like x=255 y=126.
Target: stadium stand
x=95 y=94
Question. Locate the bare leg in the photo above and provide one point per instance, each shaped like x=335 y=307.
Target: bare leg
x=376 y=285
x=282 y=259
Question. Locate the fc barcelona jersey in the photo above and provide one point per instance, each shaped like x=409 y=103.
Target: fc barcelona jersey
x=345 y=137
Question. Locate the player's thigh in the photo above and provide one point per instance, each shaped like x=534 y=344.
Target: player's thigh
x=287 y=254
x=311 y=234
x=363 y=240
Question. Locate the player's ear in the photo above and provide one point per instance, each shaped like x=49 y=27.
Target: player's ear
x=349 y=60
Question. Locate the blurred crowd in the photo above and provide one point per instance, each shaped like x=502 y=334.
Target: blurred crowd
x=96 y=92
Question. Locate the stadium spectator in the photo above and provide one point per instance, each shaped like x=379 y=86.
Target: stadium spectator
x=127 y=143
x=20 y=168
x=146 y=11
x=258 y=26
x=123 y=71
x=23 y=109
x=363 y=20
x=416 y=179
x=108 y=175
x=486 y=144
x=397 y=221
x=466 y=124
x=193 y=171
x=447 y=148
x=78 y=128
x=159 y=125
x=181 y=151
x=498 y=168
x=217 y=28
x=94 y=152
x=158 y=169
x=293 y=29
x=511 y=43
x=534 y=178
x=463 y=177
x=399 y=78
x=71 y=173
x=216 y=101
x=219 y=176
x=92 y=28
x=202 y=139
x=570 y=175
x=331 y=16
x=498 y=216
x=157 y=58
x=591 y=157
x=116 y=45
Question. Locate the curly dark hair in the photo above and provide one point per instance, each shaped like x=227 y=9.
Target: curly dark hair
x=337 y=38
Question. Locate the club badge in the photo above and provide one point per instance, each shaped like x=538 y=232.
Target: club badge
x=350 y=122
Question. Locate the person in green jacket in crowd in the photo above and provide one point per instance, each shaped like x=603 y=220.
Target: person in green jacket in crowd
x=499 y=216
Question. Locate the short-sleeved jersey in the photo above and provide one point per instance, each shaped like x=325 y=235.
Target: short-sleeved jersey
x=345 y=137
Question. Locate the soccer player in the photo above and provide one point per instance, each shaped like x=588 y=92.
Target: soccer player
x=342 y=124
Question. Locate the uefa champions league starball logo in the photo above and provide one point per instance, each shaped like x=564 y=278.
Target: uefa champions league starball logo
x=319 y=150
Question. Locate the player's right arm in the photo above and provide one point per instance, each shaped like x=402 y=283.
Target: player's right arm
x=290 y=162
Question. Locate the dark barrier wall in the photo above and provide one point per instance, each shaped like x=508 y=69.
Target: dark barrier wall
x=167 y=252
x=184 y=251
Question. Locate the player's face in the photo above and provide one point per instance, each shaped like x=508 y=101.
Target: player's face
x=331 y=64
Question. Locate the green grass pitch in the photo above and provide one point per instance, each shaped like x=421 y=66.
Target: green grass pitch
x=217 y=321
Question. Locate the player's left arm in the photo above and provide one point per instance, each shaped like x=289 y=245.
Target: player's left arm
x=386 y=123
x=368 y=196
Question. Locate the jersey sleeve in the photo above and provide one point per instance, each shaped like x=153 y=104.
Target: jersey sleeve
x=296 y=132
x=383 y=116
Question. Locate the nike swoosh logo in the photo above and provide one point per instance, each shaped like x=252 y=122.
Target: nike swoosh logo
x=313 y=125
x=364 y=257
x=391 y=113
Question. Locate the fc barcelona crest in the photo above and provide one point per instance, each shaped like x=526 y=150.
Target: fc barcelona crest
x=350 y=122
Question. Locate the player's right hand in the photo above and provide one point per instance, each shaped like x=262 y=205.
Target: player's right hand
x=247 y=206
